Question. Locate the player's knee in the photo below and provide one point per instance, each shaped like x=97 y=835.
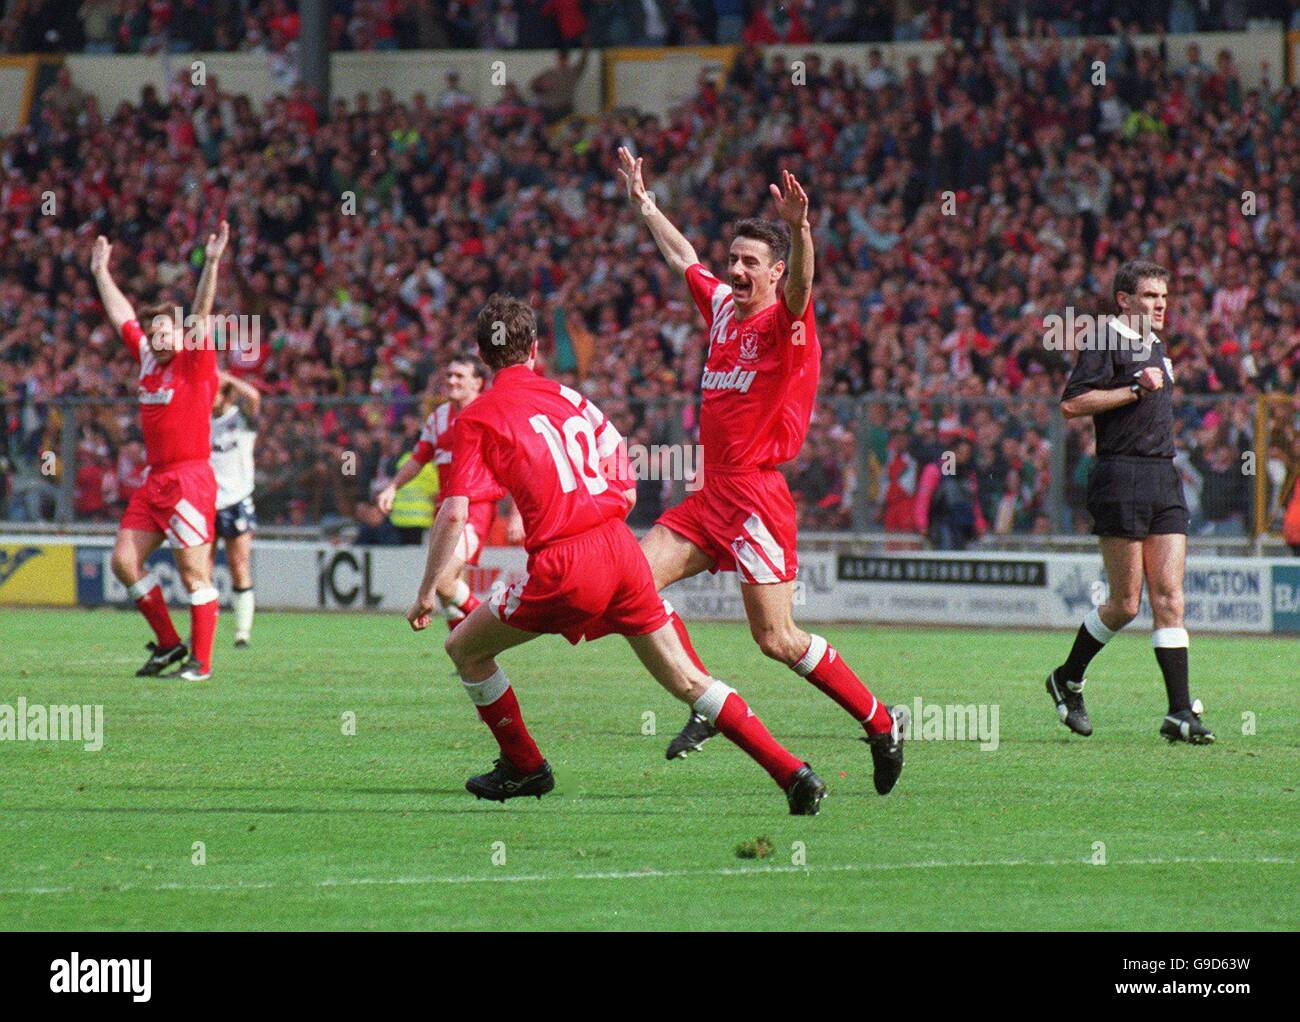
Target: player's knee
x=1124 y=608
x=195 y=577
x=780 y=644
x=452 y=648
x=1167 y=608
x=125 y=564
x=457 y=649
x=120 y=568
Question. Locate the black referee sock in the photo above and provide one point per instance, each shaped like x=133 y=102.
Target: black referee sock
x=1092 y=636
x=1171 y=654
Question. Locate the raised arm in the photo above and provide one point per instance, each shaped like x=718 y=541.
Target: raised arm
x=248 y=396
x=672 y=243
x=207 y=289
x=792 y=207
x=117 y=307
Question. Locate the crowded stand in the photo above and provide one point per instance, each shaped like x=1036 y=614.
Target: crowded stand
x=953 y=210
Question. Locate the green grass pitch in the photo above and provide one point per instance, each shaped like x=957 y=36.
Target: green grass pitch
x=304 y=826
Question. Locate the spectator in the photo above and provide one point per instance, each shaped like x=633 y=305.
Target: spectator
x=555 y=87
x=947 y=505
x=903 y=473
x=1225 y=490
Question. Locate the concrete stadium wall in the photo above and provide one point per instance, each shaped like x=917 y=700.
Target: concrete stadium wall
x=115 y=79
x=17 y=79
x=656 y=80
x=652 y=80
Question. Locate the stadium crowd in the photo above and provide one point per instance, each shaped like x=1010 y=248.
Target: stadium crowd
x=953 y=211
x=153 y=26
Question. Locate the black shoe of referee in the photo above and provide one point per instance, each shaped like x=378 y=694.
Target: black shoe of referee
x=1069 y=705
x=160 y=659
x=505 y=781
x=1186 y=726
x=690 y=738
x=805 y=792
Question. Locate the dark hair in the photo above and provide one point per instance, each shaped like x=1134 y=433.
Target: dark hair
x=146 y=314
x=773 y=233
x=1132 y=273
x=505 y=330
x=468 y=358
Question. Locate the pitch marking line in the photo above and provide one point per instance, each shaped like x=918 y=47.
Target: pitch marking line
x=645 y=874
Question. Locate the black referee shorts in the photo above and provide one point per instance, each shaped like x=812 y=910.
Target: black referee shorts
x=1136 y=497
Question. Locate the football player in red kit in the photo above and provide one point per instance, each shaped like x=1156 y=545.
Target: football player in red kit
x=566 y=467
x=178 y=380
x=465 y=380
x=757 y=393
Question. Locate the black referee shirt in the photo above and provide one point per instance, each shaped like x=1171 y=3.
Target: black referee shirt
x=1145 y=428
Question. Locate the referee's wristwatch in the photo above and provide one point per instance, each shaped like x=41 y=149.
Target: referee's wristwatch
x=1137 y=389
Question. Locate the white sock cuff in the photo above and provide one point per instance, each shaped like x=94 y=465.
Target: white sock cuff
x=207 y=594
x=710 y=704
x=1096 y=628
x=242 y=603
x=816 y=650
x=1169 y=638
x=462 y=592
x=487 y=691
x=143 y=587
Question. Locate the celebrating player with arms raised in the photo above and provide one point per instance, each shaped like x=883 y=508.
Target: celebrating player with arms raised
x=757 y=394
x=565 y=466
x=178 y=381
x=466 y=378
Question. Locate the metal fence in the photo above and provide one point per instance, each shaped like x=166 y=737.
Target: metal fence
x=877 y=464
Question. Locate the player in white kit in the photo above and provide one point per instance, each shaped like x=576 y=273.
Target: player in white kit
x=234 y=432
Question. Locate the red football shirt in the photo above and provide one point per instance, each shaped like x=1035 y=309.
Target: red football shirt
x=557 y=454
x=759 y=381
x=175 y=399
x=435 y=444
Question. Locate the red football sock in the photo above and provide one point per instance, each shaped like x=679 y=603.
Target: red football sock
x=679 y=626
x=826 y=669
x=507 y=726
x=742 y=726
x=154 y=608
x=203 y=625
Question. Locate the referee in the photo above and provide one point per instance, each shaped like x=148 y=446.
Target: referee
x=1135 y=497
